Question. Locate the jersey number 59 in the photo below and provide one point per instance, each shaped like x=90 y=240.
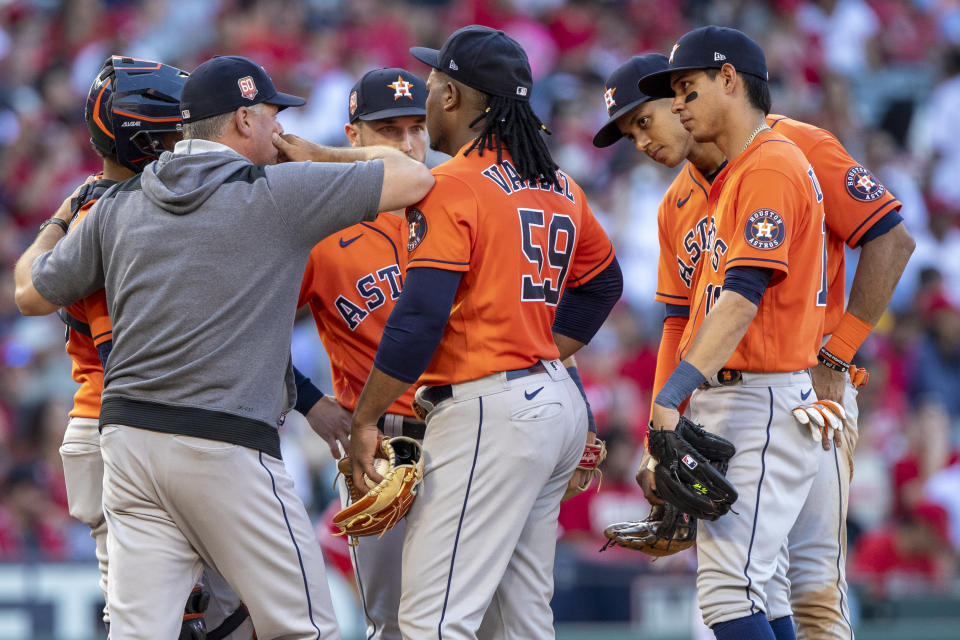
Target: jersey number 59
x=557 y=244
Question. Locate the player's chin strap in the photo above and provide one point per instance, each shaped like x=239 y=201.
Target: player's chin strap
x=230 y=624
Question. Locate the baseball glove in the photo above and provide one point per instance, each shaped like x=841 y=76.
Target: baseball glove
x=664 y=532
x=686 y=479
x=400 y=461
x=711 y=446
x=593 y=454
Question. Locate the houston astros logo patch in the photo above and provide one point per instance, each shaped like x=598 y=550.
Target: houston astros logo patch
x=248 y=88
x=401 y=88
x=862 y=186
x=765 y=230
x=417 y=228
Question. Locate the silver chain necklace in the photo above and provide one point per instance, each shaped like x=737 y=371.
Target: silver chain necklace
x=753 y=135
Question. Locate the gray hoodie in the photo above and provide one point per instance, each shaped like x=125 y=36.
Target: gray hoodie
x=201 y=257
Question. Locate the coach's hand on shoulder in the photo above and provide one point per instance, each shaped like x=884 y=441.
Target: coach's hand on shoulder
x=364 y=439
x=331 y=422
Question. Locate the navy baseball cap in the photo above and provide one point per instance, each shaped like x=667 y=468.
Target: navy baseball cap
x=387 y=93
x=484 y=59
x=621 y=93
x=225 y=83
x=708 y=48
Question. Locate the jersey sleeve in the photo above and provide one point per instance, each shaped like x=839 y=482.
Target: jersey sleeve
x=442 y=226
x=671 y=288
x=594 y=251
x=853 y=198
x=769 y=210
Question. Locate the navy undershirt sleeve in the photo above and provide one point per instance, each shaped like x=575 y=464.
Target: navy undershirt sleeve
x=676 y=310
x=415 y=327
x=750 y=282
x=307 y=393
x=583 y=309
x=880 y=227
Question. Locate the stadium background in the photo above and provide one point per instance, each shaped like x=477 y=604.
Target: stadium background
x=883 y=75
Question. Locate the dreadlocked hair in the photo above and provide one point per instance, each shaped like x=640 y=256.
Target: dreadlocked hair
x=513 y=124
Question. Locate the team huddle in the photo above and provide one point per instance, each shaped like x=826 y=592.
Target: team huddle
x=451 y=302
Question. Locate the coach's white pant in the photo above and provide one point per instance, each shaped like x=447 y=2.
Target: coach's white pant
x=482 y=531
x=376 y=568
x=811 y=575
x=83 y=475
x=175 y=502
x=773 y=470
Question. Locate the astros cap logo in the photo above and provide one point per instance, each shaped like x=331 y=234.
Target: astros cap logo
x=672 y=52
x=401 y=88
x=608 y=98
x=862 y=186
x=248 y=88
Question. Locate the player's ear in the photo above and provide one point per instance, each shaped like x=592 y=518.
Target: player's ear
x=728 y=77
x=242 y=121
x=353 y=134
x=451 y=97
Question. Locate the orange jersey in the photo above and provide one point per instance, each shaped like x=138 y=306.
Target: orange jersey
x=88 y=326
x=853 y=200
x=351 y=283
x=683 y=224
x=768 y=212
x=518 y=244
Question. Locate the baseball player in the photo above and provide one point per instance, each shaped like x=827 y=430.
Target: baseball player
x=139 y=98
x=492 y=247
x=200 y=257
x=756 y=321
x=351 y=284
x=859 y=218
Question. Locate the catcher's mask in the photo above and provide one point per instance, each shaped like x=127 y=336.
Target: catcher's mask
x=131 y=104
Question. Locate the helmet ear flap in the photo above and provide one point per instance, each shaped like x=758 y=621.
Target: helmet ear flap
x=99 y=110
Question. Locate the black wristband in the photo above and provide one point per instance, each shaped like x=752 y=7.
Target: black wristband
x=57 y=221
x=831 y=361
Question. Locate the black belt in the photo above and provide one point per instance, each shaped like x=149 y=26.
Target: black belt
x=412 y=428
x=436 y=395
x=729 y=376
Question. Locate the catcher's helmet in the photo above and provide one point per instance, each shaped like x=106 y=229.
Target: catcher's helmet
x=131 y=104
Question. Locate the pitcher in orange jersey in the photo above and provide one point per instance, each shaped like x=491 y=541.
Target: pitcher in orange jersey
x=868 y=220
x=757 y=310
x=509 y=273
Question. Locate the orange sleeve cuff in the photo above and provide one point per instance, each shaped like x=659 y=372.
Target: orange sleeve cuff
x=668 y=357
x=850 y=333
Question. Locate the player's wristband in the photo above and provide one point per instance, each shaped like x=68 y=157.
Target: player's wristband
x=57 y=221
x=681 y=383
x=850 y=333
x=832 y=361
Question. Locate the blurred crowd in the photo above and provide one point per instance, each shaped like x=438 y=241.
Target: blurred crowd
x=883 y=75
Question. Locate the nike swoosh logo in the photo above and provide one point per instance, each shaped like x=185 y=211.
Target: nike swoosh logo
x=804 y=396
x=531 y=396
x=680 y=203
x=344 y=243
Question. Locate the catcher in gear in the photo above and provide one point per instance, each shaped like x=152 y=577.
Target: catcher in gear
x=400 y=461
